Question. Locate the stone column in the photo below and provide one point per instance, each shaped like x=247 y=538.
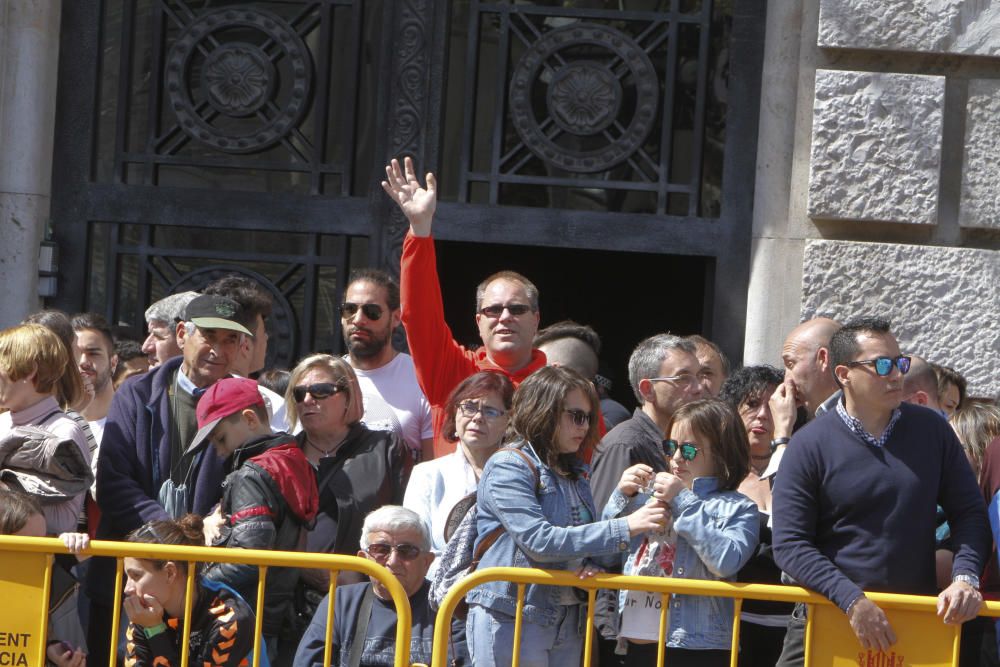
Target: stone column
x=774 y=293
x=29 y=53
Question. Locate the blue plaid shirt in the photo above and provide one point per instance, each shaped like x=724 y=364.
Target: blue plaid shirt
x=859 y=430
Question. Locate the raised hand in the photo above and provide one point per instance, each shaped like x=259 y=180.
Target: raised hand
x=783 y=408
x=417 y=203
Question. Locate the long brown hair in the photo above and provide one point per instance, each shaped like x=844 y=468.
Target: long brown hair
x=721 y=424
x=538 y=408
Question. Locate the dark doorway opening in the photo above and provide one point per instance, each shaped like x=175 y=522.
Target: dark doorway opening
x=624 y=296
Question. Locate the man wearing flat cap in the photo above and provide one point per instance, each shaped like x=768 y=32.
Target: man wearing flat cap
x=146 y=471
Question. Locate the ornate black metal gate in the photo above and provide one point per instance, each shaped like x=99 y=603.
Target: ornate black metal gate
x=198 y=136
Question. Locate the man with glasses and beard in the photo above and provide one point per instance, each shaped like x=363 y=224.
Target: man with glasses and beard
x=855 y=500
x=506 y=308
x=393 y=400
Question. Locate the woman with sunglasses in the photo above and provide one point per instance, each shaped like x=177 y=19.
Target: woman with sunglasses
x=476 y=416
x=357 y=469
x=716 y=528
x=221 y=628
x=540 y=500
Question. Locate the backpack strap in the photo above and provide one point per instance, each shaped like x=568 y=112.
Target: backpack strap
x=495 y=534
x=361 y=628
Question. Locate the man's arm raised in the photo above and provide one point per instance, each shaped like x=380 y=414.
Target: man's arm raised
x=417 y=204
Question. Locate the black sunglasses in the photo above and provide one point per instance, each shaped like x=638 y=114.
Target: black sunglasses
x=382 y=551
x=883 y=365
x=372 y=311
x=579 y=417
x=496 y=310
x=318 y=391
x=688 y=449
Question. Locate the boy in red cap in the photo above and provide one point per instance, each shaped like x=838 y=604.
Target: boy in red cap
x=268 y=499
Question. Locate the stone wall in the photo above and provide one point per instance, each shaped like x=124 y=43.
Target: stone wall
x=878 y=174
x=939 y=299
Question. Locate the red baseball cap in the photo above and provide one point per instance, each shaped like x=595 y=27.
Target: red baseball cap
x=226 y=397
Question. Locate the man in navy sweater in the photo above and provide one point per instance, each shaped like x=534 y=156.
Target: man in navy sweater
x=855 y=503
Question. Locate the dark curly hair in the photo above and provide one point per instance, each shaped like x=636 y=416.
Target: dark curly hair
x=749 y=382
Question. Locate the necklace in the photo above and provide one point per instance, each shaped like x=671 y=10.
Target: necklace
x=325 y=452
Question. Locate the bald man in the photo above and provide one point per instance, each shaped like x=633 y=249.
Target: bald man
x=920 y=385
x=808 y=373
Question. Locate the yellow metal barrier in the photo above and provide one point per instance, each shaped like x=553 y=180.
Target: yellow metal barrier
x=913 y=617
x=26 y=570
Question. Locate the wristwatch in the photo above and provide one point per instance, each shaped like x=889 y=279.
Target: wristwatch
x=970 y=579
x=777 y=442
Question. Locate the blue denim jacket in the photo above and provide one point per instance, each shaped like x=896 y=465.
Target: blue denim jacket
x=537 y=531
x=717 y=533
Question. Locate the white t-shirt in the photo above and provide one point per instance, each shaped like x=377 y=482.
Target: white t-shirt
x=394 y=401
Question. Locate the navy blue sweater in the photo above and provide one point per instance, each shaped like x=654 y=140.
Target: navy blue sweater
x=849 y=516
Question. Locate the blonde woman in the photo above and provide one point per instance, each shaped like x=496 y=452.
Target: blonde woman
x=357 y=469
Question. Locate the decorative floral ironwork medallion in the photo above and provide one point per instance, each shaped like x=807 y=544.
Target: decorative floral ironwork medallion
x=584 y=97
x=238 y=79
x=588 y=72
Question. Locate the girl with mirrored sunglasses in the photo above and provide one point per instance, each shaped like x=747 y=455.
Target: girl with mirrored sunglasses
x=716 y=527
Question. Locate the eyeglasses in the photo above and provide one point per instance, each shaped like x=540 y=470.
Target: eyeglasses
x=683 y=378
x=579 y=417
x=470 y=409
x=382 y=551
x=689 y=450
x=496 y=310
x=318 y=391
x=372 y=311
x=883 y=365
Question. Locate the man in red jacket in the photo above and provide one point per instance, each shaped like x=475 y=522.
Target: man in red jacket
x=506 y=308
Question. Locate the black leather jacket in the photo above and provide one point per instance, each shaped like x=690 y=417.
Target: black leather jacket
x=269 y=500
x=368 y=471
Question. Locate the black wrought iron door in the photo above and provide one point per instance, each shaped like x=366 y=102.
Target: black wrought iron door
x=200 y=136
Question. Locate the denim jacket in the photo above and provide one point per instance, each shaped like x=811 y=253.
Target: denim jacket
x=537 y=531
x=717 y=532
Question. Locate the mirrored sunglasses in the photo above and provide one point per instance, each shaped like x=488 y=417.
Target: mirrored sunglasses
x=689 y=450
x=318 y=391
x=883 y=365
x=496 y=310
x=372 y=311
x=382 y=551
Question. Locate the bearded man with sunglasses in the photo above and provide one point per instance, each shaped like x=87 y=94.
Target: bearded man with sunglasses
x=855 y=503
x=392 y=397
x=506 y=308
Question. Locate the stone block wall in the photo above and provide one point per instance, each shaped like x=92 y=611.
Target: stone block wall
x=876 y=146
x=879 y=175
x=943 y=301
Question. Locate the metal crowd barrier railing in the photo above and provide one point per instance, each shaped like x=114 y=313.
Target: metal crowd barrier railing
x=20 y=578
x=922 y=605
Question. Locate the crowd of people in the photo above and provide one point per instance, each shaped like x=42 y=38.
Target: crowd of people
x=854 y=468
